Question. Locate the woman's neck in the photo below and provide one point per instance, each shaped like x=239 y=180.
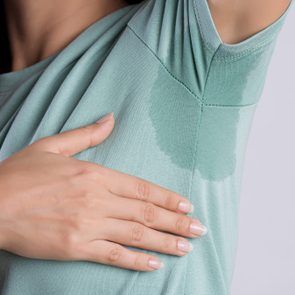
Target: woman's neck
x=37 y=29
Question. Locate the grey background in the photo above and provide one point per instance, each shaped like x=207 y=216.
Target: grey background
x=265 y=261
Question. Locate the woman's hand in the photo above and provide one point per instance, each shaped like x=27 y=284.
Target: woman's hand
x=57 y=207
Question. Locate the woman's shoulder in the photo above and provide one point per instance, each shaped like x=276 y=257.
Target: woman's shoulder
x=237 y=20
x=185 y=37
x=218 y=22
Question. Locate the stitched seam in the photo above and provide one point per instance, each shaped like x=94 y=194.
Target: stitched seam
x=179 y=81
x=246 y=53
x=196 y=149
x=191 y=183
x=197 y=16
x=208 y=73
x=263 y=43
x=212 y=105
x=173 y=76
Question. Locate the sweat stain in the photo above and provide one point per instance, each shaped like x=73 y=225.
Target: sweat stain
x=174 y=114
x=207 y=138
x=216 y=156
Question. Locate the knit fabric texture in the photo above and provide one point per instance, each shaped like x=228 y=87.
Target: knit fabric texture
x=183 y=102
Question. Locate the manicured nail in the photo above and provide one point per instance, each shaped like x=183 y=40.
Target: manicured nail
x=105 y=118
x=184 y=246
x=156 y=264
x=186 y=207
x=198 y=229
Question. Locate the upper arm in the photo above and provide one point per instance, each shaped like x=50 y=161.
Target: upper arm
x=182 y=36
x=237 y=20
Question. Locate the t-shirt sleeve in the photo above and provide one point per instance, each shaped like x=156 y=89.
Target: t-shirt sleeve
x=237 y=71
x=183 y=37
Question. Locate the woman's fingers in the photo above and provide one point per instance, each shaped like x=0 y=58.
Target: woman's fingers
x=110 y=253
x=154 y=217
x=73 y=199
x=73 y=141
x=138 y=235
x=134 y=187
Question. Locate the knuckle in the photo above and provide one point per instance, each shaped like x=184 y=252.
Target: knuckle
x=88 y=168
x=74 y=222
x=77 y=184
x=169 y=243
x=69 y=241
x=182 y=224
x=142 y=190
x=137 y=261
x=88 y=201
x=170 y=201
x=93 y=175
x=114 y=254
x=137 y=232
x=149 y=213
x=92 y=171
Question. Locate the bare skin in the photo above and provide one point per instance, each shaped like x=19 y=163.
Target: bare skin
x=57 y=207
x=38 y=29
x=237 y=20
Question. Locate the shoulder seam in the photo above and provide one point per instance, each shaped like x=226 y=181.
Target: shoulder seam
x=208 y=45
x=208 y=73
x=232 y=56
x=173 y=76
x=198 y=98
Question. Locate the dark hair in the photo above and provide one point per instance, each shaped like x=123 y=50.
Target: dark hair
x=4 y=41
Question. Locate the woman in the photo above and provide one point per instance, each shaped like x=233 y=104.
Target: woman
x=183 y=89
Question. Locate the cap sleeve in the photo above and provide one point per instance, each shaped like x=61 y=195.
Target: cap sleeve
x=237 y=71
x=181 y=34
x=213 y=40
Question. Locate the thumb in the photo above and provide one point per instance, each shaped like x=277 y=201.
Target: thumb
x=76 y=140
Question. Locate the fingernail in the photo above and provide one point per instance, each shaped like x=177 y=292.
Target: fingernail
x=184 y=246
x=186 y=207
x=156 y=264
x=198 y=229
x=105 y=118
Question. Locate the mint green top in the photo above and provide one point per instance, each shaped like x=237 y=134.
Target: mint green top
x=183 y=103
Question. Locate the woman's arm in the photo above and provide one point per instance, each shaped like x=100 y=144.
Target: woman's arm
x=237 y=20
